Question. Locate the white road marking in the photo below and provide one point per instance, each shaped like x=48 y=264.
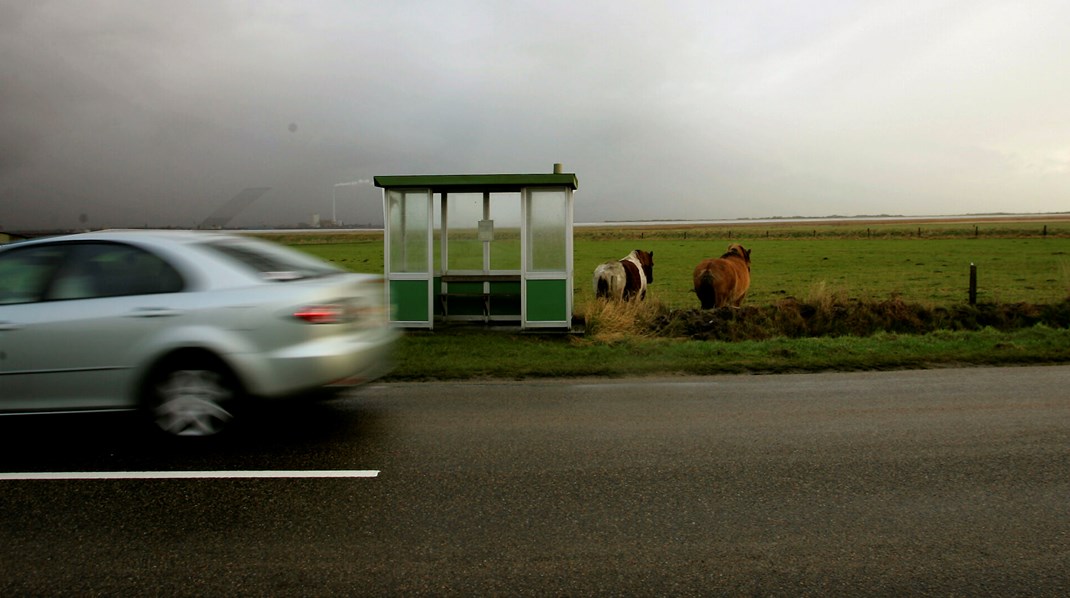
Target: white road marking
x=187 y=475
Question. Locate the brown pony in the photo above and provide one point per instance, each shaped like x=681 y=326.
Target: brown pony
x=625 y=278
x=725 y=280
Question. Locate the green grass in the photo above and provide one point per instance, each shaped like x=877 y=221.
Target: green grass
x=1016 y=263
x=931 y=269
x=466 y=354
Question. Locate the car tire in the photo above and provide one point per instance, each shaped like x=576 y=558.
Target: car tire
x=192 y=396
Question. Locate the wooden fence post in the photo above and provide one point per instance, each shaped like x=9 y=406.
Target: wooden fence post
x=973 y=284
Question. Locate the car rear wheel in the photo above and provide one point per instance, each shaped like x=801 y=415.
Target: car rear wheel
x=192 y=399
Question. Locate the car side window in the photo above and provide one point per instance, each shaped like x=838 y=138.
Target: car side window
x=111 y=270
x=26 y=271
x=148 y=274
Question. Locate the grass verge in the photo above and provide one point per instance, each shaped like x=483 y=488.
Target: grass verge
x=473 y=354
x=826 y=331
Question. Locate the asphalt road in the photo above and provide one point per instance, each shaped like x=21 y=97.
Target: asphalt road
x=940 y=482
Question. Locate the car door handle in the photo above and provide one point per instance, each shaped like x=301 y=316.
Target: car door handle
x=153 y=312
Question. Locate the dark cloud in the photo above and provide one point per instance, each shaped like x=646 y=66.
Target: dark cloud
x=157 y=113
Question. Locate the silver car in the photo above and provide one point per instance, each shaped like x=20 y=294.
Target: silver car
x=182 y=324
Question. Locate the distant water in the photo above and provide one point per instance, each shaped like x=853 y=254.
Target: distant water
x=822 y=220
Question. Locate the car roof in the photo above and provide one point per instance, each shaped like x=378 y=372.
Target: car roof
x=171 y=236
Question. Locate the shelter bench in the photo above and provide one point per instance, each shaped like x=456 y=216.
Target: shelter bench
x=484 y=295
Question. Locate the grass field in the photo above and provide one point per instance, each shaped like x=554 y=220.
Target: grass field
x=1015 y=261
x=920 y=263
x=935 y=270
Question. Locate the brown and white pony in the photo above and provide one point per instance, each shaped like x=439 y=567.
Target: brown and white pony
x=725 y=280
x=625 y=278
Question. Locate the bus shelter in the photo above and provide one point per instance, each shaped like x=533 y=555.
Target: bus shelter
x=483 y=248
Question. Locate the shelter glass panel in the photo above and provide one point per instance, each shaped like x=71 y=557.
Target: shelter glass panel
x=409 y=219
x=548 y=223
x=464 y=211
x=505 y=248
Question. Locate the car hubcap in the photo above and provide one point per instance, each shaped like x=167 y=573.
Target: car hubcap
x=191 y=403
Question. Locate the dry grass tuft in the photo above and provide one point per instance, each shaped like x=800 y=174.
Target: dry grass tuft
x=615 y=321
x=823 y=297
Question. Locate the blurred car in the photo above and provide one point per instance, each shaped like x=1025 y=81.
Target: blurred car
x=182 y=324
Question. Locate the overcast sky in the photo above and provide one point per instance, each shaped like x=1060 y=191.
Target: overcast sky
x=139 y=112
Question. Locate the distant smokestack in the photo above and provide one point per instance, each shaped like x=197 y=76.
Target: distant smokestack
x=557 y=168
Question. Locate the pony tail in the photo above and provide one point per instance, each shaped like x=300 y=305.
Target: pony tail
x=707 y=289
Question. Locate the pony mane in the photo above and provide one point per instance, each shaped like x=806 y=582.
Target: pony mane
x=639 y=254
x=736 y=251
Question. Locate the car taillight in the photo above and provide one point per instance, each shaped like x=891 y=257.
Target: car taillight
x=322 y=314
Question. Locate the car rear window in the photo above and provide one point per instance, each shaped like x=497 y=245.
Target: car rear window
x=272 y=262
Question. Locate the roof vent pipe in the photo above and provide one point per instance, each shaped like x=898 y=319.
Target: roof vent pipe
x=557 y=168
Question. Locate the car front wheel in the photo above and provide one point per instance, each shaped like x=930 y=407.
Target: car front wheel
x=192 y=399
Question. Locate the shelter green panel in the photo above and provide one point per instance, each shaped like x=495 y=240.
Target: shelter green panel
x=505 y=299
x=410 y=300
x=547 y=301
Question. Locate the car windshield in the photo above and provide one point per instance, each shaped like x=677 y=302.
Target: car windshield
x=270 y=261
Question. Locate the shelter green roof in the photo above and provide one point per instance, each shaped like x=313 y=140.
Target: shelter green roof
x=470 y=183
